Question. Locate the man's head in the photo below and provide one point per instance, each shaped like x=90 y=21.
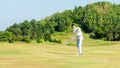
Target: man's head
x=73 y=25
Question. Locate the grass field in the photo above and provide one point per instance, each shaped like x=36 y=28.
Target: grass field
x=97 y=54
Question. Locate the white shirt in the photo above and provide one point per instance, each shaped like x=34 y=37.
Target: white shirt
x=77 y=30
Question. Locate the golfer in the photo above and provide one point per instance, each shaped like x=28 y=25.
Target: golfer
x=79 y=38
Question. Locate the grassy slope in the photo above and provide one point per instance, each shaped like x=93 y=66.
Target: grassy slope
x=97 y=54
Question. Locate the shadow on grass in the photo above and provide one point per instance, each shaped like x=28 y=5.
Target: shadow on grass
x=63 y=53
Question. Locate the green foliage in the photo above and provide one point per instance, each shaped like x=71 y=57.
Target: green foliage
x=59 y=41
x=63 y=20
x=47 y=36
x=39 y=41
x=56 y=41
x=11 y=40
x=26 y=39
x=100 y=18
x=6 y=36
x=103 y=20
x=25 y=28
x=39 y=31
x=15 y=29
x=33 y=29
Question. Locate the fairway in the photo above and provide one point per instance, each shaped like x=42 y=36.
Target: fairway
x=97 y=54
x=60 y=34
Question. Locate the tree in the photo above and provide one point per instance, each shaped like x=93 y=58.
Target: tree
x=15 y=30
x=6 y=36
x=25 y=28
x=33 y=29
x=100 y=18
x=39 y=31
x=78 y=14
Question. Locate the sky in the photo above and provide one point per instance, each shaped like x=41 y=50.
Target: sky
x=16 y=11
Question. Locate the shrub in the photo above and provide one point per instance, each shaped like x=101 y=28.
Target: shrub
x=56 y=41
x=26 y=39
x=11 y=40
x=39 y=41
x=47 y=37
x=20 y=38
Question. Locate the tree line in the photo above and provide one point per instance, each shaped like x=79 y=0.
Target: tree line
x=101 y=19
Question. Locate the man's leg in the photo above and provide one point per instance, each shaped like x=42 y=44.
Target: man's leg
x=80 y=46
x=77 y=45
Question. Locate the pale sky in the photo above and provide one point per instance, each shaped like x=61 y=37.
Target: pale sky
x=16 y=11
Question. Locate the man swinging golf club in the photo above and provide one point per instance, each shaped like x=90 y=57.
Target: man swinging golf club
x=79 y=38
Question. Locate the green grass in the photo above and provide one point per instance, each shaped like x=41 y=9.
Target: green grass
x=97 y=54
